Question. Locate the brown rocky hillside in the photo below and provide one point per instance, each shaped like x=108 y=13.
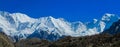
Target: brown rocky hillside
x=5 y=41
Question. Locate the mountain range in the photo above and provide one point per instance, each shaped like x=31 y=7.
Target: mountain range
x=108 y=38
x=20 y=26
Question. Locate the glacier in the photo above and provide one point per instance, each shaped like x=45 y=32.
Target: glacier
x=20 y=26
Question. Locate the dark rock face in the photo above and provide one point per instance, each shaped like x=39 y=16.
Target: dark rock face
x=114 y=29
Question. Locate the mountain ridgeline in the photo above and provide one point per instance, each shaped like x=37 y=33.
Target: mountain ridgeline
x=20 y=26
x=19 y=30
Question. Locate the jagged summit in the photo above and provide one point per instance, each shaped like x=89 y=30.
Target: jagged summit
x=20 y=26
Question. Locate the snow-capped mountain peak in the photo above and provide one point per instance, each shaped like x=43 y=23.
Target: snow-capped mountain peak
x=108 y=17
x=20 y=26
x=22 y=17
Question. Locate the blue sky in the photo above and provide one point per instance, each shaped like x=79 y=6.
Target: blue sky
x=71 y=10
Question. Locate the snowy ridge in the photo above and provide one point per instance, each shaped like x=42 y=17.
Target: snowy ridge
x=20 y=26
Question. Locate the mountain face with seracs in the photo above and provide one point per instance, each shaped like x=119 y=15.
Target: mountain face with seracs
x=20 y=26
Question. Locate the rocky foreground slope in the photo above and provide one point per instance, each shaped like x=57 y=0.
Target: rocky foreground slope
x=5 y=41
